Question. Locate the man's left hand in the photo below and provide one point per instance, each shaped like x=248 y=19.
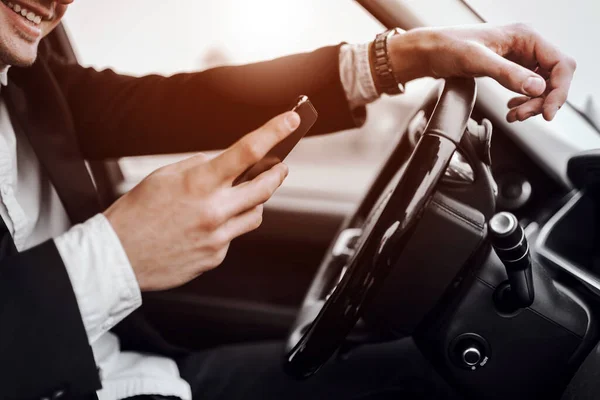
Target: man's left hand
x=516 y=56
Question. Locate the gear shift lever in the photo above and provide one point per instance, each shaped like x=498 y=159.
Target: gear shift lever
x=511 y=246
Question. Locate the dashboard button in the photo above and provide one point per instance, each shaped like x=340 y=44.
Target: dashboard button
x=471 y=356
x=469 y=351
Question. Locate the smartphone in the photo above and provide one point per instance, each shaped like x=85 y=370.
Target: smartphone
x=308 y=117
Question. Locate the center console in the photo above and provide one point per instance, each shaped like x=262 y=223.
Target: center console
x=531 y=350
x=570 y=240
x=508 y=308
x=522 y=319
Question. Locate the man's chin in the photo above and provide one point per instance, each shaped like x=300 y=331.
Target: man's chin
x=23 y=62
x=23 y=57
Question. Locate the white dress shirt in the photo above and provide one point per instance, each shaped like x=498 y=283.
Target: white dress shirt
x=103 y=280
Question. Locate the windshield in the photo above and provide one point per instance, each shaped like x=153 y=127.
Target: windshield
x=573 y=25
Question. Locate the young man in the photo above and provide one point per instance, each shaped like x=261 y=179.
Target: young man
x=71 y=272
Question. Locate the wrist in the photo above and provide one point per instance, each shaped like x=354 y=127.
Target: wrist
x=382 y=71
x=119 y=228
x=409 y=55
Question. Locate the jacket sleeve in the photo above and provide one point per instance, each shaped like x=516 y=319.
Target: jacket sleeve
x=117 y=115
x=44 y=347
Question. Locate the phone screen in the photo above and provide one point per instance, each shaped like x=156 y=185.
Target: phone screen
x=308 y=117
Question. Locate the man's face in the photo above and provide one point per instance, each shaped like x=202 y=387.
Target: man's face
x=23 y=23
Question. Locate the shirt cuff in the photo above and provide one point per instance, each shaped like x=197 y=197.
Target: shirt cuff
x=102 y=277
x=355 y=74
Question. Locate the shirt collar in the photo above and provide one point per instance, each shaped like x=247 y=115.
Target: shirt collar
x=4 y=76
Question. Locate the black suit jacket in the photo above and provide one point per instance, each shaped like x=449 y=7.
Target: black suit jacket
x=70 y=113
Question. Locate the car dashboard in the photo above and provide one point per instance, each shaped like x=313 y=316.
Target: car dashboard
x=536 y=351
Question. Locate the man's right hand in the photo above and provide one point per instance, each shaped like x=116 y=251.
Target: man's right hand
x=178 y=222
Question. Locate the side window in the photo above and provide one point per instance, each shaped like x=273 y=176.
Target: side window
x=189 y=35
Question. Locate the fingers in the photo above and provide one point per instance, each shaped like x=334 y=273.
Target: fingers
x=233 y=201
x=228 y=202
x=220 y=239
x=254 y=146
x=553 y=65
x=560 y=82
x=524 y=49
x=509 y=74
x=517 y=101
x=259 y=190
x=243 y=223
x=197 y=172
x=557 y=90
x=527 y=109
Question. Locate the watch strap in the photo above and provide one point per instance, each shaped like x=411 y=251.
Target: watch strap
x=382 y=66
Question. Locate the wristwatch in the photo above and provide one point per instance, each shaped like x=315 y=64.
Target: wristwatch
x=382 y=67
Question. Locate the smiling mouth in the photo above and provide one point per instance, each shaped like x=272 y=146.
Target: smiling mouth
x=28 y=15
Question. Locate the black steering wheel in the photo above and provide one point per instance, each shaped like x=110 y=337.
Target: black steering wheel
x=329 y=314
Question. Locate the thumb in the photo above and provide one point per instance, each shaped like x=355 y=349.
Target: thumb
x=509 y=74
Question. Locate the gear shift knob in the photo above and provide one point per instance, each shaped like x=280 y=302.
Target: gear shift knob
x=511 y=246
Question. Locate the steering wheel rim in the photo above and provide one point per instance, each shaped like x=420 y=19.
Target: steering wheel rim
x=385 y=233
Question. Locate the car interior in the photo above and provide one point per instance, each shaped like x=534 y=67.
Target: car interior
x=473 y=236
